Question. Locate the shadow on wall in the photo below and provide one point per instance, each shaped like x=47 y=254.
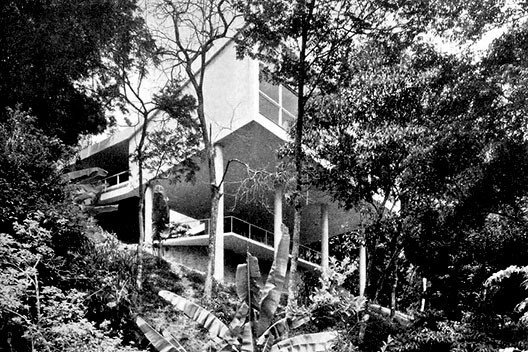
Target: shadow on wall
x=124 y=222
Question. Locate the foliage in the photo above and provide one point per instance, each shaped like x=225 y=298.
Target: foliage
x=54 y=275
x=253 y=325
x=308 y=45
x=50 y=49
x=41 y=307
x=396 y=139
x=159 y=342
x=496 y=280
x=29 y=169
x=445 y=335
x=332 y=304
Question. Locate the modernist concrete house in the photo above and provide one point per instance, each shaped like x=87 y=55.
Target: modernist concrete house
x=249 y=118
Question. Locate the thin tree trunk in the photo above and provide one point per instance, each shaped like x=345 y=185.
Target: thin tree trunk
x=208 y=285
x=141 y=205
x=215 y=192
x=292 y=284
x=141 y=220
x=187 y=55
x=380 y=282
x=197 y=82
x=395 y=247
x=393 y=306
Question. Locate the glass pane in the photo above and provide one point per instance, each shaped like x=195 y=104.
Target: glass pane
x=288 y=120
x=270 y=90
x=289 y=101
x=268 y=109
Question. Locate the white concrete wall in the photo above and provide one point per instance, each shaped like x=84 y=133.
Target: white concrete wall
x=231 y=98
x=230 y=95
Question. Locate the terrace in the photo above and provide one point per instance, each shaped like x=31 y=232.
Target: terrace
x=240 y=236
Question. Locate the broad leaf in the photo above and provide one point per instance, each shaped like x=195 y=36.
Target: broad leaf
x=267 y=344
x=156 y=339
x=281 y=328
x=275 y=282
x=299 y=322
x=246 y=282
x=173 y=341
x=319 y=342
x=200 y=315
x=240 y=318
x=248 y=343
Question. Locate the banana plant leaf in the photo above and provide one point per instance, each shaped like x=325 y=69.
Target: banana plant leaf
x=240 y=318
x=274 y=284
x=266 y=345
x=200 y=315
x=320 y=342
x=248 y=342
x=156 y=339
x=175 y=342
x=246 y=282
x=281 y=328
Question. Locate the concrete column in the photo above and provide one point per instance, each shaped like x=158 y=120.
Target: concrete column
x=277 y=218
x=324 y=239
x=219 y=244
x=149 y=209
x=424 y=290
x=362 y=269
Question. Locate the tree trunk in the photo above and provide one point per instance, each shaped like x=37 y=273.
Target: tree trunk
x=208 y=285
x=393 y=291
x=141 y=220
x=141 y=205
x=292 y=282
x=381 y=280
x=292 y=285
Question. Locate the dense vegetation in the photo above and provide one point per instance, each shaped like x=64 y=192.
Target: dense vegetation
x=56 y=57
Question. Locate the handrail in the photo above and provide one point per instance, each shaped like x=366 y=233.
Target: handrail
x=309 y=254
x=119 y=177
x=248 y=230
x=254 y=232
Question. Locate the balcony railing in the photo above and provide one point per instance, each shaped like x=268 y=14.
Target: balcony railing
x=309 y=254
x=116 y=180
x=242 y=228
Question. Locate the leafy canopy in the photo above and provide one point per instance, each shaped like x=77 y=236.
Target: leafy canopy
x=50 y=49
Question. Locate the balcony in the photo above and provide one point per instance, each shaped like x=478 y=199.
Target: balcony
x=115 y=187
x=116 y=181
x=239 y=236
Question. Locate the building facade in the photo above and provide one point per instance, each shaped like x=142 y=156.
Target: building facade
x=249 y=118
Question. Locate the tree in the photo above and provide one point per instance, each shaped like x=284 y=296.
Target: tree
x=197 y=26
x=422 y=129
x=306 y=45
x=49 y=50
x=167 y=133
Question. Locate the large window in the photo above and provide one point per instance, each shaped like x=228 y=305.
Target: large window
x=278 y=103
